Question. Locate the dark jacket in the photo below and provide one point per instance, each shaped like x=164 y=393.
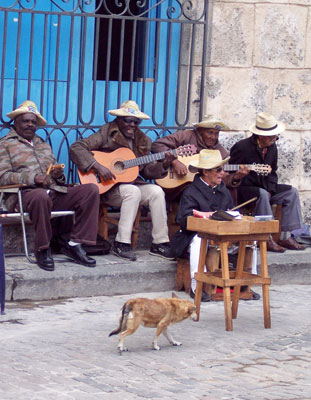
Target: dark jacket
x=201 y=197
x=247 y=151
x=108 y=139
x=20 y=162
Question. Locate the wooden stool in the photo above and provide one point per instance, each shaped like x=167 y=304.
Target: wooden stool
x=183 y=278
x=172 y=207
x=105 y=218
x=277 y=213
x=223 y=233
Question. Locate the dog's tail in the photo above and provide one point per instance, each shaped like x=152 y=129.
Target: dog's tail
x=123 y=320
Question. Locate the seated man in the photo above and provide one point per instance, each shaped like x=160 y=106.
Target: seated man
x=27 y=159
x=207 y=193
x=261 y=148
x=204 y=136
x=123 y=131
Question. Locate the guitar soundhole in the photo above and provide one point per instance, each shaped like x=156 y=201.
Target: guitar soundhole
x=119 y=166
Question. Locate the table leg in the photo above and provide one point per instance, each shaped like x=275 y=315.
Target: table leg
x=238 y=275
x=265 y=287
x=226 y=289
x=199 y=286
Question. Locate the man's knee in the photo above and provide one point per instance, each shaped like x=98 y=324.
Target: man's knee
x=38 y=196
x=92 y=189
x=131 y=192
x=157 y=192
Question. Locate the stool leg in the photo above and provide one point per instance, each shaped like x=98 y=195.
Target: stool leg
x=199 y=286
x=265 y=287
x=226 y=289
x=238 y=275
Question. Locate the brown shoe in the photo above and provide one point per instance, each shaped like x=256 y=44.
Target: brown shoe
x=273 y=246
x=291 y=244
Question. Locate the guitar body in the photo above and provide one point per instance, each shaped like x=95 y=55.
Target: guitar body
x=113 y=161
x=172 y=180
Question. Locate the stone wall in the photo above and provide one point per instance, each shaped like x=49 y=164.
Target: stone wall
x=259 y=59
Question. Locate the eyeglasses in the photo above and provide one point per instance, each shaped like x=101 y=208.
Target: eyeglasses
x=131 y=120
x=218 y=170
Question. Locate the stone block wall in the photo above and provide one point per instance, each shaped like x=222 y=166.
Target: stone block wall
x=259 y=59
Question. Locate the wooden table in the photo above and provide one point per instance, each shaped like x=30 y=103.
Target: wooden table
x=223 y=233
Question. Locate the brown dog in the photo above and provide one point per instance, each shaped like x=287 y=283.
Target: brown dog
x=157 y=313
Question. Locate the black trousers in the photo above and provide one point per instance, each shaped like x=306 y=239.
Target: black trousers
x=83 y=199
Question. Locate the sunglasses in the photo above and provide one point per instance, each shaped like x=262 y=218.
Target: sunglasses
x=131 y=120
x=218 y=170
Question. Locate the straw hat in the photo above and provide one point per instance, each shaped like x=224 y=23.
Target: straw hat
x=27 y=107
x=212 y=121
x=129 y=109
x=208 y=159
x=266 y=125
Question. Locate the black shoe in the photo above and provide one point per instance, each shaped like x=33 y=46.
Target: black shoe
x=255 y=296
x=78 y=254
x=205 y=296
x=123 y=250
x=161 y=250
x=44 y=259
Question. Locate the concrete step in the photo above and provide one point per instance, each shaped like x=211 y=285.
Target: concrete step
x=114 y=276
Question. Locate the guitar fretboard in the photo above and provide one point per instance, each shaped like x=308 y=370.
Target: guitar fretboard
x=233 y=167
x=134 y=162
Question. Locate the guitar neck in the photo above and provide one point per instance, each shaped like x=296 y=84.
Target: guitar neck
x=134 y=162
x=235 y=167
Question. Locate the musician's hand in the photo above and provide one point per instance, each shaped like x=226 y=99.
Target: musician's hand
x=243 y=171
x=179 y=168
x=43 y=180
x=57 y=173
x=203 y=214
x=104 y=172
x=169 y=158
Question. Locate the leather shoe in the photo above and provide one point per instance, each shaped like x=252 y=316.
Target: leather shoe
x=273 y=246
x=44 y=259
x=78 y=254
x=205 y=296
x=291 y=244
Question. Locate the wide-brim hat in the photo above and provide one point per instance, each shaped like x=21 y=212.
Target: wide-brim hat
x=208 y=159
x=129 y=109
x=27 y=107
x=267 y=125
x=213 y=122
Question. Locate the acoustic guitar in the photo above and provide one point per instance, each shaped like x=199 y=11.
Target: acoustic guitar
x=125 y=166
x=172 y=180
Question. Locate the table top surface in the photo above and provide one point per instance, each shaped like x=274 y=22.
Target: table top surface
x=244 y=226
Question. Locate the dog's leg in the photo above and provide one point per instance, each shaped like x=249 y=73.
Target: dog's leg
x=170 y=338
x=131 y=327
x=161 y=327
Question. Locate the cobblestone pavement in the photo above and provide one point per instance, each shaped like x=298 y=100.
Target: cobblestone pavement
x=61 y=350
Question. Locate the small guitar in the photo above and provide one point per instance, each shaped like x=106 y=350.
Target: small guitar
x=123 y=164
x=172 y=181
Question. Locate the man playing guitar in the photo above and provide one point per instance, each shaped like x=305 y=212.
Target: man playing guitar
x=204 y=136
x=124 y=132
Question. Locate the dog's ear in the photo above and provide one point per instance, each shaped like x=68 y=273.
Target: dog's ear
x=174 y=296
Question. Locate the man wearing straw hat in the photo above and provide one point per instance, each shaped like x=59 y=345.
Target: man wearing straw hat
x=124 y=131
x=27 y=159
x=205 y=135
x=207 y=193
x=261 y=148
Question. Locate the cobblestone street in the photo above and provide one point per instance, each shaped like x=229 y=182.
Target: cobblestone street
x=61 y=350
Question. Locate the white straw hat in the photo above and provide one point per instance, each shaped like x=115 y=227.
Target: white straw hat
x=267 y=125
x=129 y=109
x=27 y=107
x=208 y=159
x=212 y=121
